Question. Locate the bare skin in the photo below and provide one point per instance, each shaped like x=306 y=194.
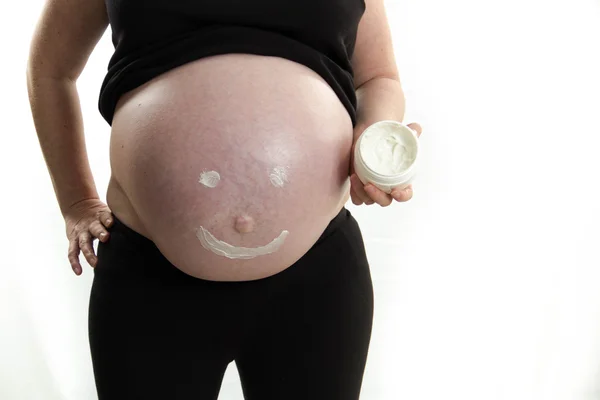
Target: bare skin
x=208 y=115
x=238 y=114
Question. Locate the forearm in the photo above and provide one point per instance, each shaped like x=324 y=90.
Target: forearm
x=379 y=99
x=57 y=118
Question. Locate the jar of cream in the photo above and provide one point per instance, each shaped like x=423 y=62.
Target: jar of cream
x=385 y=155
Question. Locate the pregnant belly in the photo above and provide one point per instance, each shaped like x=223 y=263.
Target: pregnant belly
x=232 y=165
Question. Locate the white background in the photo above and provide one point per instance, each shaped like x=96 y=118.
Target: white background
x=487 y=283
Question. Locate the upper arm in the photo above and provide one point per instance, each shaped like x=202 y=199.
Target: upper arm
x=65 y=35
x=374 y=53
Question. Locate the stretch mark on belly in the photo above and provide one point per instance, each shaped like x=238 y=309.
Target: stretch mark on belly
x=278 y=176
x=224 y=249
x=209 y=178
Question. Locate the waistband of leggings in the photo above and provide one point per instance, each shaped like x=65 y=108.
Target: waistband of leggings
x=121 y=228
x=336 y=223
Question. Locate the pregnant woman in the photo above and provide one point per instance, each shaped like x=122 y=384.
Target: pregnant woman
x=224 y=237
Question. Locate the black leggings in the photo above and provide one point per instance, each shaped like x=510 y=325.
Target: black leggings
x=158 y=333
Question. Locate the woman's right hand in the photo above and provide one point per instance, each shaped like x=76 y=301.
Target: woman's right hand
x=85 y=221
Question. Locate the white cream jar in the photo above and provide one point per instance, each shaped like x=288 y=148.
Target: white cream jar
x=385 y=155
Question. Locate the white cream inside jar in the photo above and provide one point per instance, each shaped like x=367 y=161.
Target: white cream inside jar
x=388 y=150
x=385 y=155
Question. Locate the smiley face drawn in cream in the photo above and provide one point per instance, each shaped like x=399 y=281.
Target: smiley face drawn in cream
x=210 y=179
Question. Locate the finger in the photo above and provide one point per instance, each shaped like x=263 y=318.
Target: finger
x=106 y=218
x=85 y=244
x=98 y=231
x=402 y=195
x=359 y=190
x=416 y=127
x=73 y=256
x=378 y=195
x=355 y=199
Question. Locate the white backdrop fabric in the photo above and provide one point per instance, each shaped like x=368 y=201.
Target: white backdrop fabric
x=486 y=283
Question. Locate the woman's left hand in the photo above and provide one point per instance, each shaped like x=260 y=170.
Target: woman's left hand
x=369 y=194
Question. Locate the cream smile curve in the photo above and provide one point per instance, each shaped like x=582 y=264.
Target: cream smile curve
x=221 y=248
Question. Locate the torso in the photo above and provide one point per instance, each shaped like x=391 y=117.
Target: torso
x=242 y=116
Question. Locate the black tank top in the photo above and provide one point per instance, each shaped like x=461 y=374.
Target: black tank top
x=153 y=36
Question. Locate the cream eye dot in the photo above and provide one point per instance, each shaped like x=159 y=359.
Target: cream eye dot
x=278 y=176
x=209 y=178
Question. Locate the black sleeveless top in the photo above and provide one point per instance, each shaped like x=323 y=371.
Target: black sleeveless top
x=153 y=36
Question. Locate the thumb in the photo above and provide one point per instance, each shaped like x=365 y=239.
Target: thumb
x=415 y=126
